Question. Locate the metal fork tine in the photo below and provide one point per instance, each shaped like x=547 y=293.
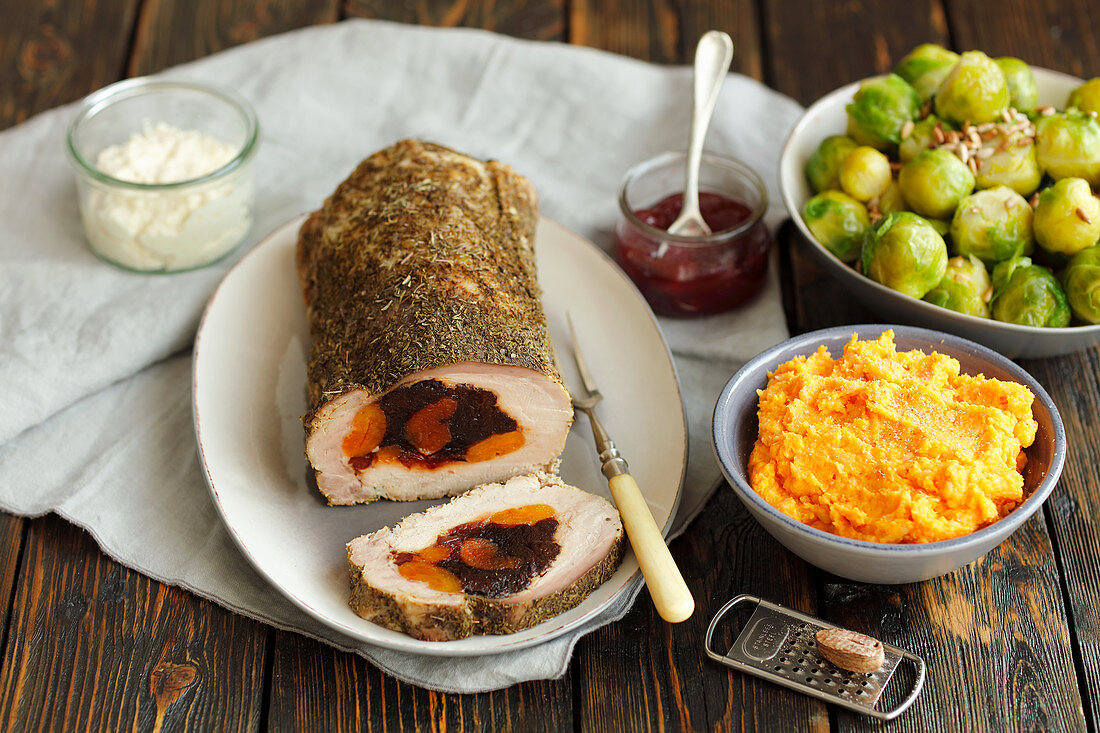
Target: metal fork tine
x=582 y=367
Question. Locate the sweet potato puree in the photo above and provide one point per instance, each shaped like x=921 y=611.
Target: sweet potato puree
x=890 y=447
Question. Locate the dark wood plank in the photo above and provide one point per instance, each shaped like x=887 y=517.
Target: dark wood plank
x=171 y=32
x=52 y=53
x=667 y=31
x=815 y=46
x=1052 y=33
x=540 y=20
x=1071 y=509
x=94 y=645
x=644 y=674
x=319 y=688
x=993 y=635
x=11 y=539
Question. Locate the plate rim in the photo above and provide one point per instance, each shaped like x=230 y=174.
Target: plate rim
x=412 y=645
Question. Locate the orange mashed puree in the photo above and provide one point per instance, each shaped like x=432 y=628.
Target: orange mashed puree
x=890 y=447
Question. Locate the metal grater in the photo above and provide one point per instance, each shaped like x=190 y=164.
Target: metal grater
x=777 y=644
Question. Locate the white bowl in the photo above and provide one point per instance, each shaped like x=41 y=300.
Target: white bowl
x=827 y=116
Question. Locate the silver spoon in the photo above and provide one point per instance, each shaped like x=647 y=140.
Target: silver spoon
x=712 y=60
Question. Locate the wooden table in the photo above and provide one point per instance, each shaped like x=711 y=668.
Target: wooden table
x=1013 y=641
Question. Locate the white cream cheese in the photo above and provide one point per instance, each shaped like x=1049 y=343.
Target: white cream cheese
x=171 y=228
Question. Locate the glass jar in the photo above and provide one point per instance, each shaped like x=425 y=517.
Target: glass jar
x=690 y=276
x=164 y=226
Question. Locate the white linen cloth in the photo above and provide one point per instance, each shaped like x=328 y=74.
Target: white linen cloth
x=95 y=419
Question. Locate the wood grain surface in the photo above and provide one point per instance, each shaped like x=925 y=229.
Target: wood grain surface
x=170 y=32
x=1011 y=641
x=54 y=52
x=94 y=645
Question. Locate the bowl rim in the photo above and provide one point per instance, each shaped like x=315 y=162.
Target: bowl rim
x=101 y=99
x=722 y=439
x=786 y=193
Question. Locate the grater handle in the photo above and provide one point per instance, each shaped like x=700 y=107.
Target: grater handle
x=743 y=598
x=917 y=686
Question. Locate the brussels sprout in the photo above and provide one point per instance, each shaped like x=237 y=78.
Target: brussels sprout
x=965 y=287
x=865 y=173
x=1082 y=281
x=934 y=182
x=1023 y=92
x=974 y=91
x=1013 y=164
x=904 y=252
x=879 y=109
x=1027 y=294
x=1067 y=219
x=925 y=67
x=891 y=200
x=838 y=221
x=1086 y=97
x=942 y=227
x=921 y=138
x=823 y=167
x=1068 y=145
x=993 y=225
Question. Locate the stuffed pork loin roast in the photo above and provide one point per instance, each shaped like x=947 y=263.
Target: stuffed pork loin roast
x=430 y=367
x=497 y=559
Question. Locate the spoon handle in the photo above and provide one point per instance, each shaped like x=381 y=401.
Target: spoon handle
x=712 y=60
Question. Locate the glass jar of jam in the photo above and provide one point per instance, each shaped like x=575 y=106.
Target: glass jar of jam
x=690 y=276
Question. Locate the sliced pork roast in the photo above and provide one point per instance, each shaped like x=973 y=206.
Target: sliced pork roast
x=430 y=367
x=498 y=559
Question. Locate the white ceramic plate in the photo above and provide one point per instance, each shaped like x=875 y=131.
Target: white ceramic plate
x=827 y=116
x=249 y=383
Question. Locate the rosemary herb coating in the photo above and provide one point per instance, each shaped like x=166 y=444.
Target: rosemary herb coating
x=419 y=271
x=416 y=262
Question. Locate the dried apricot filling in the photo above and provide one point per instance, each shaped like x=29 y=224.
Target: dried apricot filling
x=427 y=424
x=491 y=557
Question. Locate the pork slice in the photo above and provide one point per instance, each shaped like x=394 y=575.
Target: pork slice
x=588 y=536
x=538 y=404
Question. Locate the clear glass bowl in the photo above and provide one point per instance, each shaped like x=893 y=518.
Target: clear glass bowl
x=689 y=276
x=164 y=227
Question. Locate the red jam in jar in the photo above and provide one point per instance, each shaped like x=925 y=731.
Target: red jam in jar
x=686 y=276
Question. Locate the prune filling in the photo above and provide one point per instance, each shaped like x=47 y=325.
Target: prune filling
x=476 y=416
x=518 y=553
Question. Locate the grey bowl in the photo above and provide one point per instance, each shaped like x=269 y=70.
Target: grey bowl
x=828 y=117
x=735 y=431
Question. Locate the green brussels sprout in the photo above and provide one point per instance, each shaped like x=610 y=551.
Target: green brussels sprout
x=993 y=225
x=865 y=173
x=1086 y=97
x=838 y=221
x=1068 y=145
x=921 y=138
x=1013 y=163
x=934 y=182
x=975 y=90
x=942 y=227
x=965 y=288
x=891 y=200
x=1027 y=294
x=1067 y=219
x=904 y=252
x=1082 y=281
x=879 y=109
x=1023 y=92
x=925 y=67
x=823 y=167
